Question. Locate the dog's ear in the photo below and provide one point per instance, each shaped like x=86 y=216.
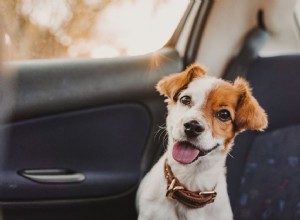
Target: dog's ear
x=249 y=114
x=171 y=85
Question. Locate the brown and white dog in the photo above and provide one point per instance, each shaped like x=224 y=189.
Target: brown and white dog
x=204 y=116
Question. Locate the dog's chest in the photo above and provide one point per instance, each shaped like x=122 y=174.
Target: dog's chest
x=204 y=213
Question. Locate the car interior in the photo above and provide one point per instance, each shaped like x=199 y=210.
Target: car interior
x=78 y=135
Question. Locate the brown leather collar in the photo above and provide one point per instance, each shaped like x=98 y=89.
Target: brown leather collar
x=177 y=191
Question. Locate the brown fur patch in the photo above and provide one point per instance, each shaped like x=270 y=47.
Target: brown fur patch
x=223 y=96
x=245 y=111
x=171 y=85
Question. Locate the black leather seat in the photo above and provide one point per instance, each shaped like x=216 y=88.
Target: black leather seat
x=264 y=173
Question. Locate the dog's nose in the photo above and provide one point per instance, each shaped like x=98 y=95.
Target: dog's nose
x=193 y=129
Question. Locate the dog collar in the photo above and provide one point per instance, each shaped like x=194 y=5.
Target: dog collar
x=176 y=191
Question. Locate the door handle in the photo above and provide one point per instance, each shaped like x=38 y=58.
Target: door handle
x=53 y=175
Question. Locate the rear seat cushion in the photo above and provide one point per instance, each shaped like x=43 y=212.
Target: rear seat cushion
x=270 y=185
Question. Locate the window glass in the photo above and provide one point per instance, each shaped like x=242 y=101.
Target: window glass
x=41 y=29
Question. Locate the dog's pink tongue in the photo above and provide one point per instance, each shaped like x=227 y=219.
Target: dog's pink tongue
x=184 y=153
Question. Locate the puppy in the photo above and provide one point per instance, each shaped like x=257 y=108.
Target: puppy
x=204 y=116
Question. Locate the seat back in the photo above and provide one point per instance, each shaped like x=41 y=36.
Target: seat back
x=262 y=175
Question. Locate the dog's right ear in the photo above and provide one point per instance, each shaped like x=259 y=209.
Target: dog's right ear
x=171 y=85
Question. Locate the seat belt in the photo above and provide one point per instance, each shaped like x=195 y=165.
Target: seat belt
x=254 y=41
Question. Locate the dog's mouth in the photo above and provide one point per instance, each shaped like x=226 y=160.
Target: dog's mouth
x=184 y=152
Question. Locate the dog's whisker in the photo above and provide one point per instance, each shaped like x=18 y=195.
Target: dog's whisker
x=156 y=133
x=161 y=131
x=165 y=140
x=160 y=128
x=230 y=155
x=160 y=135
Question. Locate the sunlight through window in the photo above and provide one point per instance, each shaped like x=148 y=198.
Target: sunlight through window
x=42 y=29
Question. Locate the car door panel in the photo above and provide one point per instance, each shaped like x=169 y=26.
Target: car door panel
x=92 y=117
x=104 y=144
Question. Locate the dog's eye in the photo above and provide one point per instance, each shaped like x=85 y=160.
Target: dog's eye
x=223 y=115
x=185 y=100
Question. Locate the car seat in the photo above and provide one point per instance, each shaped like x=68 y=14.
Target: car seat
x=264 y=170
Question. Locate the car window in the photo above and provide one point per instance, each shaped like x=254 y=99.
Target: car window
x=42 y=29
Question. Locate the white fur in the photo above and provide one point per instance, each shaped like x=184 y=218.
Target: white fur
x=205 y=174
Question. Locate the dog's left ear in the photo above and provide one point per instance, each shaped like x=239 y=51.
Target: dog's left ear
x=171 y=85
x=249 y=114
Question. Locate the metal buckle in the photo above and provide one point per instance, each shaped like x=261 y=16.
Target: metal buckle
x=213 y=195
x=208 y=192
x=171 y=185
x=171 y=189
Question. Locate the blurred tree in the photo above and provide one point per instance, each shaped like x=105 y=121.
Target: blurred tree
x=25 y=39
x=37 y=29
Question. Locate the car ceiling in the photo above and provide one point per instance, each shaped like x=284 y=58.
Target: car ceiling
x=229 y=22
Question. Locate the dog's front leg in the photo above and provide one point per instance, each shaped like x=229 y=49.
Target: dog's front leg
x=151 y=201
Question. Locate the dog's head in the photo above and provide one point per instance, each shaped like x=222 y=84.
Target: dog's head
x=205 y=113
